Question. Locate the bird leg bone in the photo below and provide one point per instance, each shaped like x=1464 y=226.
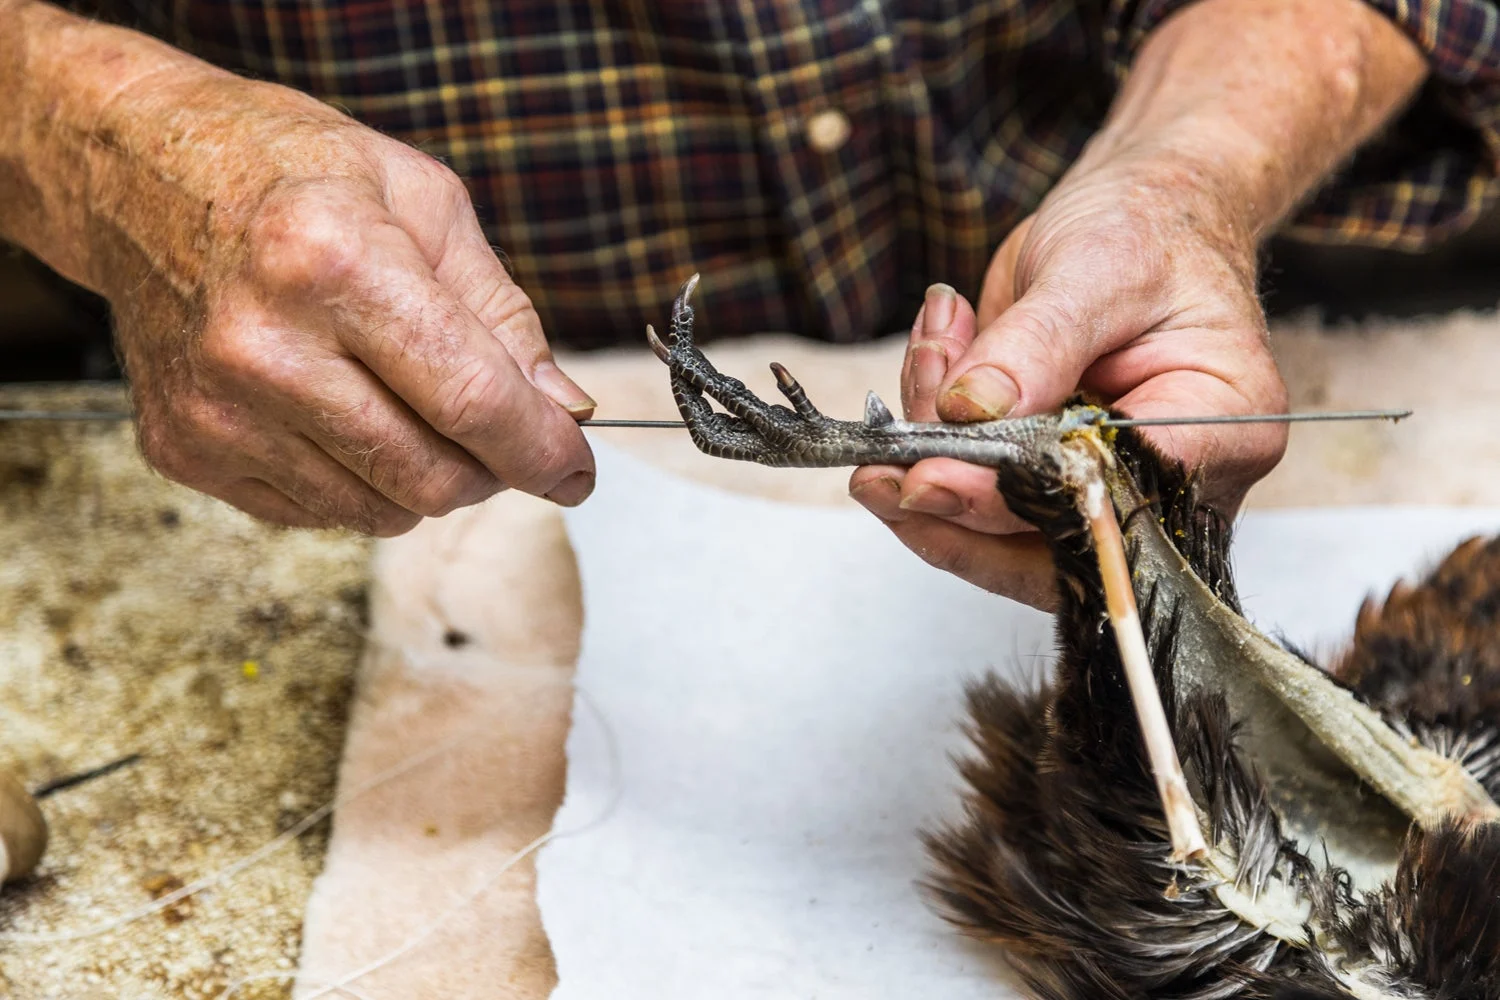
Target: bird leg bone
x=1298 y=721
x=1088 y=458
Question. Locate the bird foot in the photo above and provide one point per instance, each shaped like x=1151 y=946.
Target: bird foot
x=753 y=430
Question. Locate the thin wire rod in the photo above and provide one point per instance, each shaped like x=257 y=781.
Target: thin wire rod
x=1258 y=418
x=99 y=415
x=1254 y=418
x=678 y=424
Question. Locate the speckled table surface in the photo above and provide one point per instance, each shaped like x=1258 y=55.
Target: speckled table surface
x=140 y=617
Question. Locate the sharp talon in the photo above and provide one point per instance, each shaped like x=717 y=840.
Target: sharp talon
x=682 y=313
x=657 y=347
x=793 y=391
x=877 y=414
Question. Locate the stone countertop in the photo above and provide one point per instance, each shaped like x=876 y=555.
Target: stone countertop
x=140 y=617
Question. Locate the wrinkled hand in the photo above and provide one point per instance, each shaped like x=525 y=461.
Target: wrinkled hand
x=338 y=345
x=1128 y=283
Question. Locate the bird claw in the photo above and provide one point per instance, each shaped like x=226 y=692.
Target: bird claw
x=753 y=430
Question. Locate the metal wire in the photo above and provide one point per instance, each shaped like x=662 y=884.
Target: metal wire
x=1253 y=418
x=1258 y=418
x=632 y=423
x=97 y=415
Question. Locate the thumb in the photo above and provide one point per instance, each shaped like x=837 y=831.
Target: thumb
x=1027 y=361
x=430 y=202
x=487 y=288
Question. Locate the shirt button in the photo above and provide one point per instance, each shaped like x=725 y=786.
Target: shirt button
x=827 y=131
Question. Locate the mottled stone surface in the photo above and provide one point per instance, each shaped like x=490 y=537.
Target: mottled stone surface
x=137 y=616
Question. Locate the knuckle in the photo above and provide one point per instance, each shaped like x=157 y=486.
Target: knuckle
x=247 y=354
x=178 y=441
x=465 y=400
x=442 y=178
x=505 y=301
x=448 y=487
x=359 y=510
x=418 y=482
x=304 y=242
x=1051 y=333
x=385 y=520
x=163 y=451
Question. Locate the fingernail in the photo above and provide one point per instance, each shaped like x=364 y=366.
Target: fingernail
x=572 y=491
x=562 y=390
x=880 y=497
x=929 y=364
x=983 y=393
x=938 y=501
x=937 y=314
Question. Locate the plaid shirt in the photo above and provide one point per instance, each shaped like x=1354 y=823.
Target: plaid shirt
x=613 y=148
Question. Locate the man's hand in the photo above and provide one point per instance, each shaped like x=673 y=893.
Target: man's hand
x=358 y=355
x=312 y=322
x=1135 y=278
x=1111 y=289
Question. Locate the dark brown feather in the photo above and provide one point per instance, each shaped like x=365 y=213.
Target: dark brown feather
x=1061 y=855
x=1430 y=655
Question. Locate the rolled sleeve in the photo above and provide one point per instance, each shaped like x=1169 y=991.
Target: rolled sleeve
x=1435 y=169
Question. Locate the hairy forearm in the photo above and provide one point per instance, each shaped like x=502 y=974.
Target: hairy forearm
x=1255 y=102
x=108 y=169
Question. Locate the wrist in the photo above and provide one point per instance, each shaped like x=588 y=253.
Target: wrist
x=132 y=156
x=70 y=77
x=1187 y=189
x=1258 y=101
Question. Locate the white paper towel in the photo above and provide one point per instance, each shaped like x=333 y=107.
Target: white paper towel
x=784 y=686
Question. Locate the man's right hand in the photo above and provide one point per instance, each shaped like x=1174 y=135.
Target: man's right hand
x=313 y=324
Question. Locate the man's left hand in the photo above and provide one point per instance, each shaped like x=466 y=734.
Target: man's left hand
x=1128 y=284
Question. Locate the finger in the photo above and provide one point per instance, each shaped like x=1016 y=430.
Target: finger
x=461 y=258
x=1030 y=358
x=506 y=311
x=999 y=290
x=942 y=487
x=436 y=355
x=1202 y=376
x=362 y=426
x=943 y=331
x=1014 y=566
x=264 y=502
x=961 y=493
x=296 y=467
x=964 y=493
x=878 y=489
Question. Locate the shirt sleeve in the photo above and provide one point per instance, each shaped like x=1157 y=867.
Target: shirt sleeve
x=1433 y=170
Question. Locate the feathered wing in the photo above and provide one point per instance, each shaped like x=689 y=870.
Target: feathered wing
x=1061 y=855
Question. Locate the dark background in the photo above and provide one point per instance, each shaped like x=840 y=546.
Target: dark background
x=51 y=330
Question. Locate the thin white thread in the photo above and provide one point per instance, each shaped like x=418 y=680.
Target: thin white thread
x=343 y=986
x=266 y=850
x=253 y=858
x=616 y=788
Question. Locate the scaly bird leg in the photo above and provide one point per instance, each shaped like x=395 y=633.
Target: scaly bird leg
x=802 y=437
